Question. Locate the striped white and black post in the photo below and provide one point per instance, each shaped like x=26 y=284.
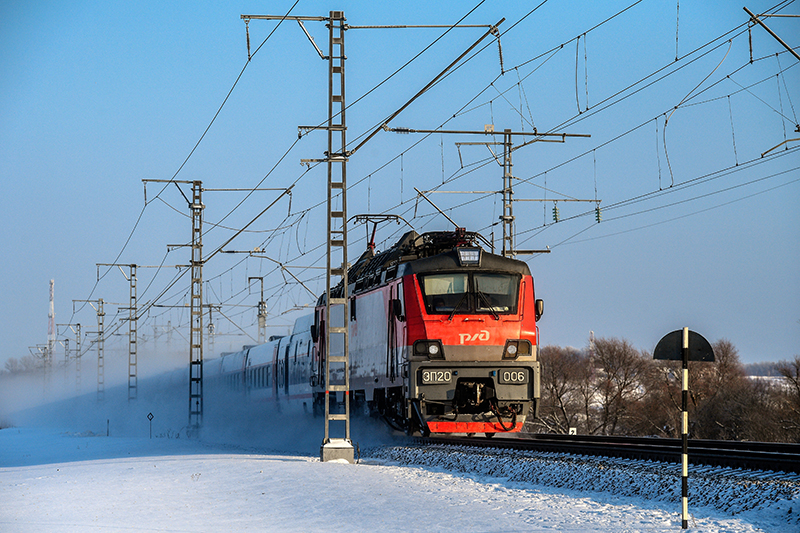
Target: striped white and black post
x=685 y=432
x=684 y=345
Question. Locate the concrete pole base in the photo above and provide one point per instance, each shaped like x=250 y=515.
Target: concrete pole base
x=337 y=450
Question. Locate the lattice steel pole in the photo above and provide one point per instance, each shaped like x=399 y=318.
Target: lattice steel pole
x=508 y=201
x=101 y=364
x=196 y=311
x=66 y=362
x=77 y=359
x=507 y=218
x=133 y=379
x=49 y=353
x=262 y=312
x=336 y=309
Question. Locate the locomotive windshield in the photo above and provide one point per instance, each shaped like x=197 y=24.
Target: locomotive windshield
x=467 y=293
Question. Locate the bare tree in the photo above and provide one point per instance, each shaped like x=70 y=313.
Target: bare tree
x=659 y=410
x=707 y=380
x=761 y=412
x=790 y=371
x=587 y=397
x=728 y=405
x=790 y=398
x=562 y=369
x=728 y=368
x=621 y=371
x=26 y=363
x=13 y=366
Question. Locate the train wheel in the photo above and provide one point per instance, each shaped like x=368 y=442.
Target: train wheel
x=490 y=435
x=470 y=435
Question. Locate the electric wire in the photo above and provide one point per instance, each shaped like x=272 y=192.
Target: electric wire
x=700 y=48
x=192 y=151
x=461 y=64
x=357 y=100
x=689 y=183
x=400 y=155
x=747 y=197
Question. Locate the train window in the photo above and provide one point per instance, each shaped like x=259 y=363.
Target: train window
x=496 y=292
x=445 y=292
x=470 y=293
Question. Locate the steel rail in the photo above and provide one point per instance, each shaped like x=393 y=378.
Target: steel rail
x=735 y=454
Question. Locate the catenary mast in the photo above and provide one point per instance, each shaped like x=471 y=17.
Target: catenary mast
x=51 y=330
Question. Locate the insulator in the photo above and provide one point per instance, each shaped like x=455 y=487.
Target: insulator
x=500 y=50
x=247 y=30
x=555 y=213
x=597 y=214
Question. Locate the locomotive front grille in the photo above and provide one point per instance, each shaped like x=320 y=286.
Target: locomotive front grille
x=467 y=386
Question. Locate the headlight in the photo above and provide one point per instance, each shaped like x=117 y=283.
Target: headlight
x=469 y=256
x=432 y=349
x=516 y=347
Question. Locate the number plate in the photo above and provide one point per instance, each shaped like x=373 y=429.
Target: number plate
x=432 y=377
x=512 y=376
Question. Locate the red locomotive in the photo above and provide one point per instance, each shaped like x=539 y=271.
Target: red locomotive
x=443 y=336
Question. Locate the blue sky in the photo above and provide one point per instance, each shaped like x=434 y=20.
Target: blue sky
x=698 y=229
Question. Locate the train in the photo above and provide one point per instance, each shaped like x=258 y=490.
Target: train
x=443 y=339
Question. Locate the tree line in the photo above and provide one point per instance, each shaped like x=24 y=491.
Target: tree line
x=25 y=364
x=615 y=389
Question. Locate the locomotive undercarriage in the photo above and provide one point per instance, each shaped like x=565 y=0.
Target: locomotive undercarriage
x=475 y=405
x=474 y=399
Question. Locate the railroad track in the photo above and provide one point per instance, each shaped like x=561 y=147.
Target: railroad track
x=747 y=455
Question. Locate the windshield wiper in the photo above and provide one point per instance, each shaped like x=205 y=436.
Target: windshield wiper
x=461 y=301
x=485 y=299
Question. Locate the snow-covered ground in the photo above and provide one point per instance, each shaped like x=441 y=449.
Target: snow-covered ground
x=76 y=482
x=79 y=465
